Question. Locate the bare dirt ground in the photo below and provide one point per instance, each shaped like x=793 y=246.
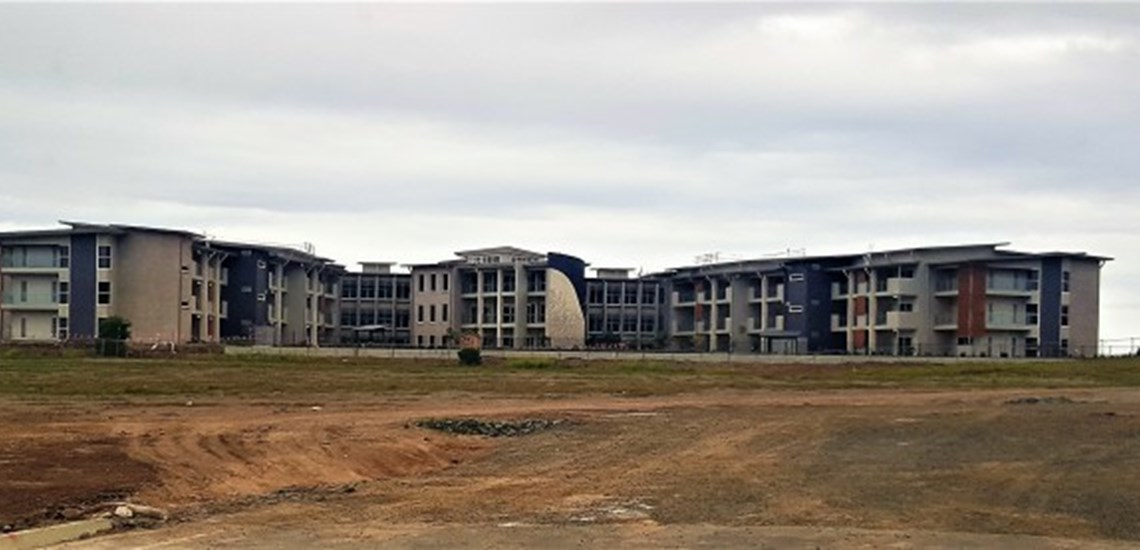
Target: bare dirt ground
x=836 y=468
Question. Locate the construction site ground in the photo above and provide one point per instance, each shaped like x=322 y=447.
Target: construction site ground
x=311 y=453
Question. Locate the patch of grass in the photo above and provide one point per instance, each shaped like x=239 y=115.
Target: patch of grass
x=267 y=377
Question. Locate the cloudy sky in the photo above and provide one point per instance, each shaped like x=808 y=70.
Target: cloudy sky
x=631 y=135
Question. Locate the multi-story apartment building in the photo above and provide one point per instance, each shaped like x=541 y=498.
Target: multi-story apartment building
x=511 y=298
x=376 y=305
x=177 y=286
x=279 y=295
x=622 y=310
x=58 y=283
x=762 y=306
x=973 y=300
x=171 y=285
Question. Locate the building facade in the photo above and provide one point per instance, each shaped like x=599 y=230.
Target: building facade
x=279 y=296
x=970 y=300
x=624 y=311
x=376 y=306
x=177 y=286
x=509 y=297
x=171 y=285
x=58 y=284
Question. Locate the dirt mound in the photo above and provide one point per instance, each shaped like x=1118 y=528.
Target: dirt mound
x=235 y=459
x=43 y=481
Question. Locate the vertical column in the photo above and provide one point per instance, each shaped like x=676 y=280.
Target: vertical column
x=479 y=275
x=278 y=304
x=521 y=287
x=714 y=312
x=217 y=305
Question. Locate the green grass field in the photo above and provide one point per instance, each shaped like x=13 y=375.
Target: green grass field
x=270 y=377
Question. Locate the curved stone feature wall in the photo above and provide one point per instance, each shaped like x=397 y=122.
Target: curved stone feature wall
x=565 y=322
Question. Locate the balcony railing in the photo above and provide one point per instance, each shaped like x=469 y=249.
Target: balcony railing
x=9 y=262
x=31 y=300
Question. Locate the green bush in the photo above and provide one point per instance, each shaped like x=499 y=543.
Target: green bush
x=113 y=335
x=470 y=357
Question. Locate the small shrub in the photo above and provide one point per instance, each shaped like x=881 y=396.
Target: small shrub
x=470 y=357
x=113 y=335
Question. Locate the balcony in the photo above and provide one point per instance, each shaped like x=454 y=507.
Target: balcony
x=899 y=286
x=946 y=321
x=838 y=322
x=775 y=323
x=1015 y=322
x=724 y=324
x=684 y=298
x=29 y=266
x=33 y=301
x=946 y=287
x=895 y=320
x=775 y=294
x=1015 y=291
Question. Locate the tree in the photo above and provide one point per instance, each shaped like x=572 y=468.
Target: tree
x=113 y=335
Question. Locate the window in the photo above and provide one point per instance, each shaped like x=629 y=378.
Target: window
x=906 y=345
x=795 y=309
x=23 y=327
x=1031 y=347
x=906 y=306
x=23 y=291
x=421 y=283
x=1064 y=281
x=431 y=313
x=420 y=339
x=631 y=294
x=1064 y=347
x=906 y=272
x=64 y=292
x=1064 y=316
x=443 y=313
x=796 y=278
x=1032 y=282
x=1031 y=314
x=104 y=293
x=445 y=283
x=647 y=325
x=508 y=313
x=61 y=328
x=490 y=281
x=595 y=323
x=64 y=257
x=420 y=309
x=508 y=281
x=104 y=257
x=594 y=294
x=433 y=282
x=629 y=324
x=613 y=325
x=965 y=341
x=431 y=340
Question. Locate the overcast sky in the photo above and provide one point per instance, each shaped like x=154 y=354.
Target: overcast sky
x=630 y=135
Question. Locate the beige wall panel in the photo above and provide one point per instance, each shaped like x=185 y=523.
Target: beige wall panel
x=565 y=323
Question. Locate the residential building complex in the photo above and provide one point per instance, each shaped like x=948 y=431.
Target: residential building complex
x=171 y=285
x=178 y=286
x=511 y=298
x=376 y=305
x=623 y=311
